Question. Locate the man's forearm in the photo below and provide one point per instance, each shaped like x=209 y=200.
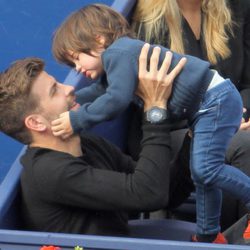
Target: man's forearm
x=154 y=162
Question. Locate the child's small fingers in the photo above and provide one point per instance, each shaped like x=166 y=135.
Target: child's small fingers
x=57 y=128
x=56 y=122
x=58 y=133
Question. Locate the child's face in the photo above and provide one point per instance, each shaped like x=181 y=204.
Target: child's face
x=90 y=66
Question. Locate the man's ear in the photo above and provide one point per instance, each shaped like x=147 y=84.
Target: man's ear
x=35 y=122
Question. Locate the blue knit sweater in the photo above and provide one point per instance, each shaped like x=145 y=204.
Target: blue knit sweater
x=114 y=91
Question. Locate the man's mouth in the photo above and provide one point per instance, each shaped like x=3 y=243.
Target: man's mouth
x=74 y=106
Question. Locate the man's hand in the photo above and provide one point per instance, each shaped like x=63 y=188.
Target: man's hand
x=62 y=126
x=155 y=85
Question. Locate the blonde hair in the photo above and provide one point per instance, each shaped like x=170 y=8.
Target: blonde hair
x=153 y=15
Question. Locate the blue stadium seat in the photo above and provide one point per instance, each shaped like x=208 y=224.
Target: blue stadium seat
x=20 y=240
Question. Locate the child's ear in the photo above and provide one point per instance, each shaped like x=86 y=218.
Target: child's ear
x=35 y=122
x=101 y=40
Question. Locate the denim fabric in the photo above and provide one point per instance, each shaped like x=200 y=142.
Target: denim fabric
x=213 y=126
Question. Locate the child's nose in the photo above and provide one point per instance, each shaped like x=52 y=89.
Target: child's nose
x=78 y=67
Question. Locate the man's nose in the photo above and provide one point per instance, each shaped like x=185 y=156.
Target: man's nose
x=69 y=90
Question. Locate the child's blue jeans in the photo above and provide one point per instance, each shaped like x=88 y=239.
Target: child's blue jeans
x=212 y=128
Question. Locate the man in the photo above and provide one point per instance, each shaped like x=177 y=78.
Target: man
x=85 y=184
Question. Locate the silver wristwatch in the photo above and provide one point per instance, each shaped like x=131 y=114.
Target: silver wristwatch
x=156 y=115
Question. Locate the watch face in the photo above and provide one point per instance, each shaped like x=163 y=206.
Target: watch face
x=156 y=115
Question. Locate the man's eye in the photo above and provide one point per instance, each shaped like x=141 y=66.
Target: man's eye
x=54 y=90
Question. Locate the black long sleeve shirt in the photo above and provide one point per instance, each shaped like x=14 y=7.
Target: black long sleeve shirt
x=92 y=194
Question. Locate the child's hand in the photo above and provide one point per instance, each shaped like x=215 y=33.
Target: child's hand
x=62 y=126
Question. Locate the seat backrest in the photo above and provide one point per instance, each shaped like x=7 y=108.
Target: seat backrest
x=10 y=217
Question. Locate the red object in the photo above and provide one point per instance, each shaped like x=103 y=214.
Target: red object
x=246 y=234
x=50 y=248
x=220 y=239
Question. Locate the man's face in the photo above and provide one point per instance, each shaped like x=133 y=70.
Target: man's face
x=54 y=98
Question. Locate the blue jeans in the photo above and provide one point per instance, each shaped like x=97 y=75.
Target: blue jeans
x=213 y=126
